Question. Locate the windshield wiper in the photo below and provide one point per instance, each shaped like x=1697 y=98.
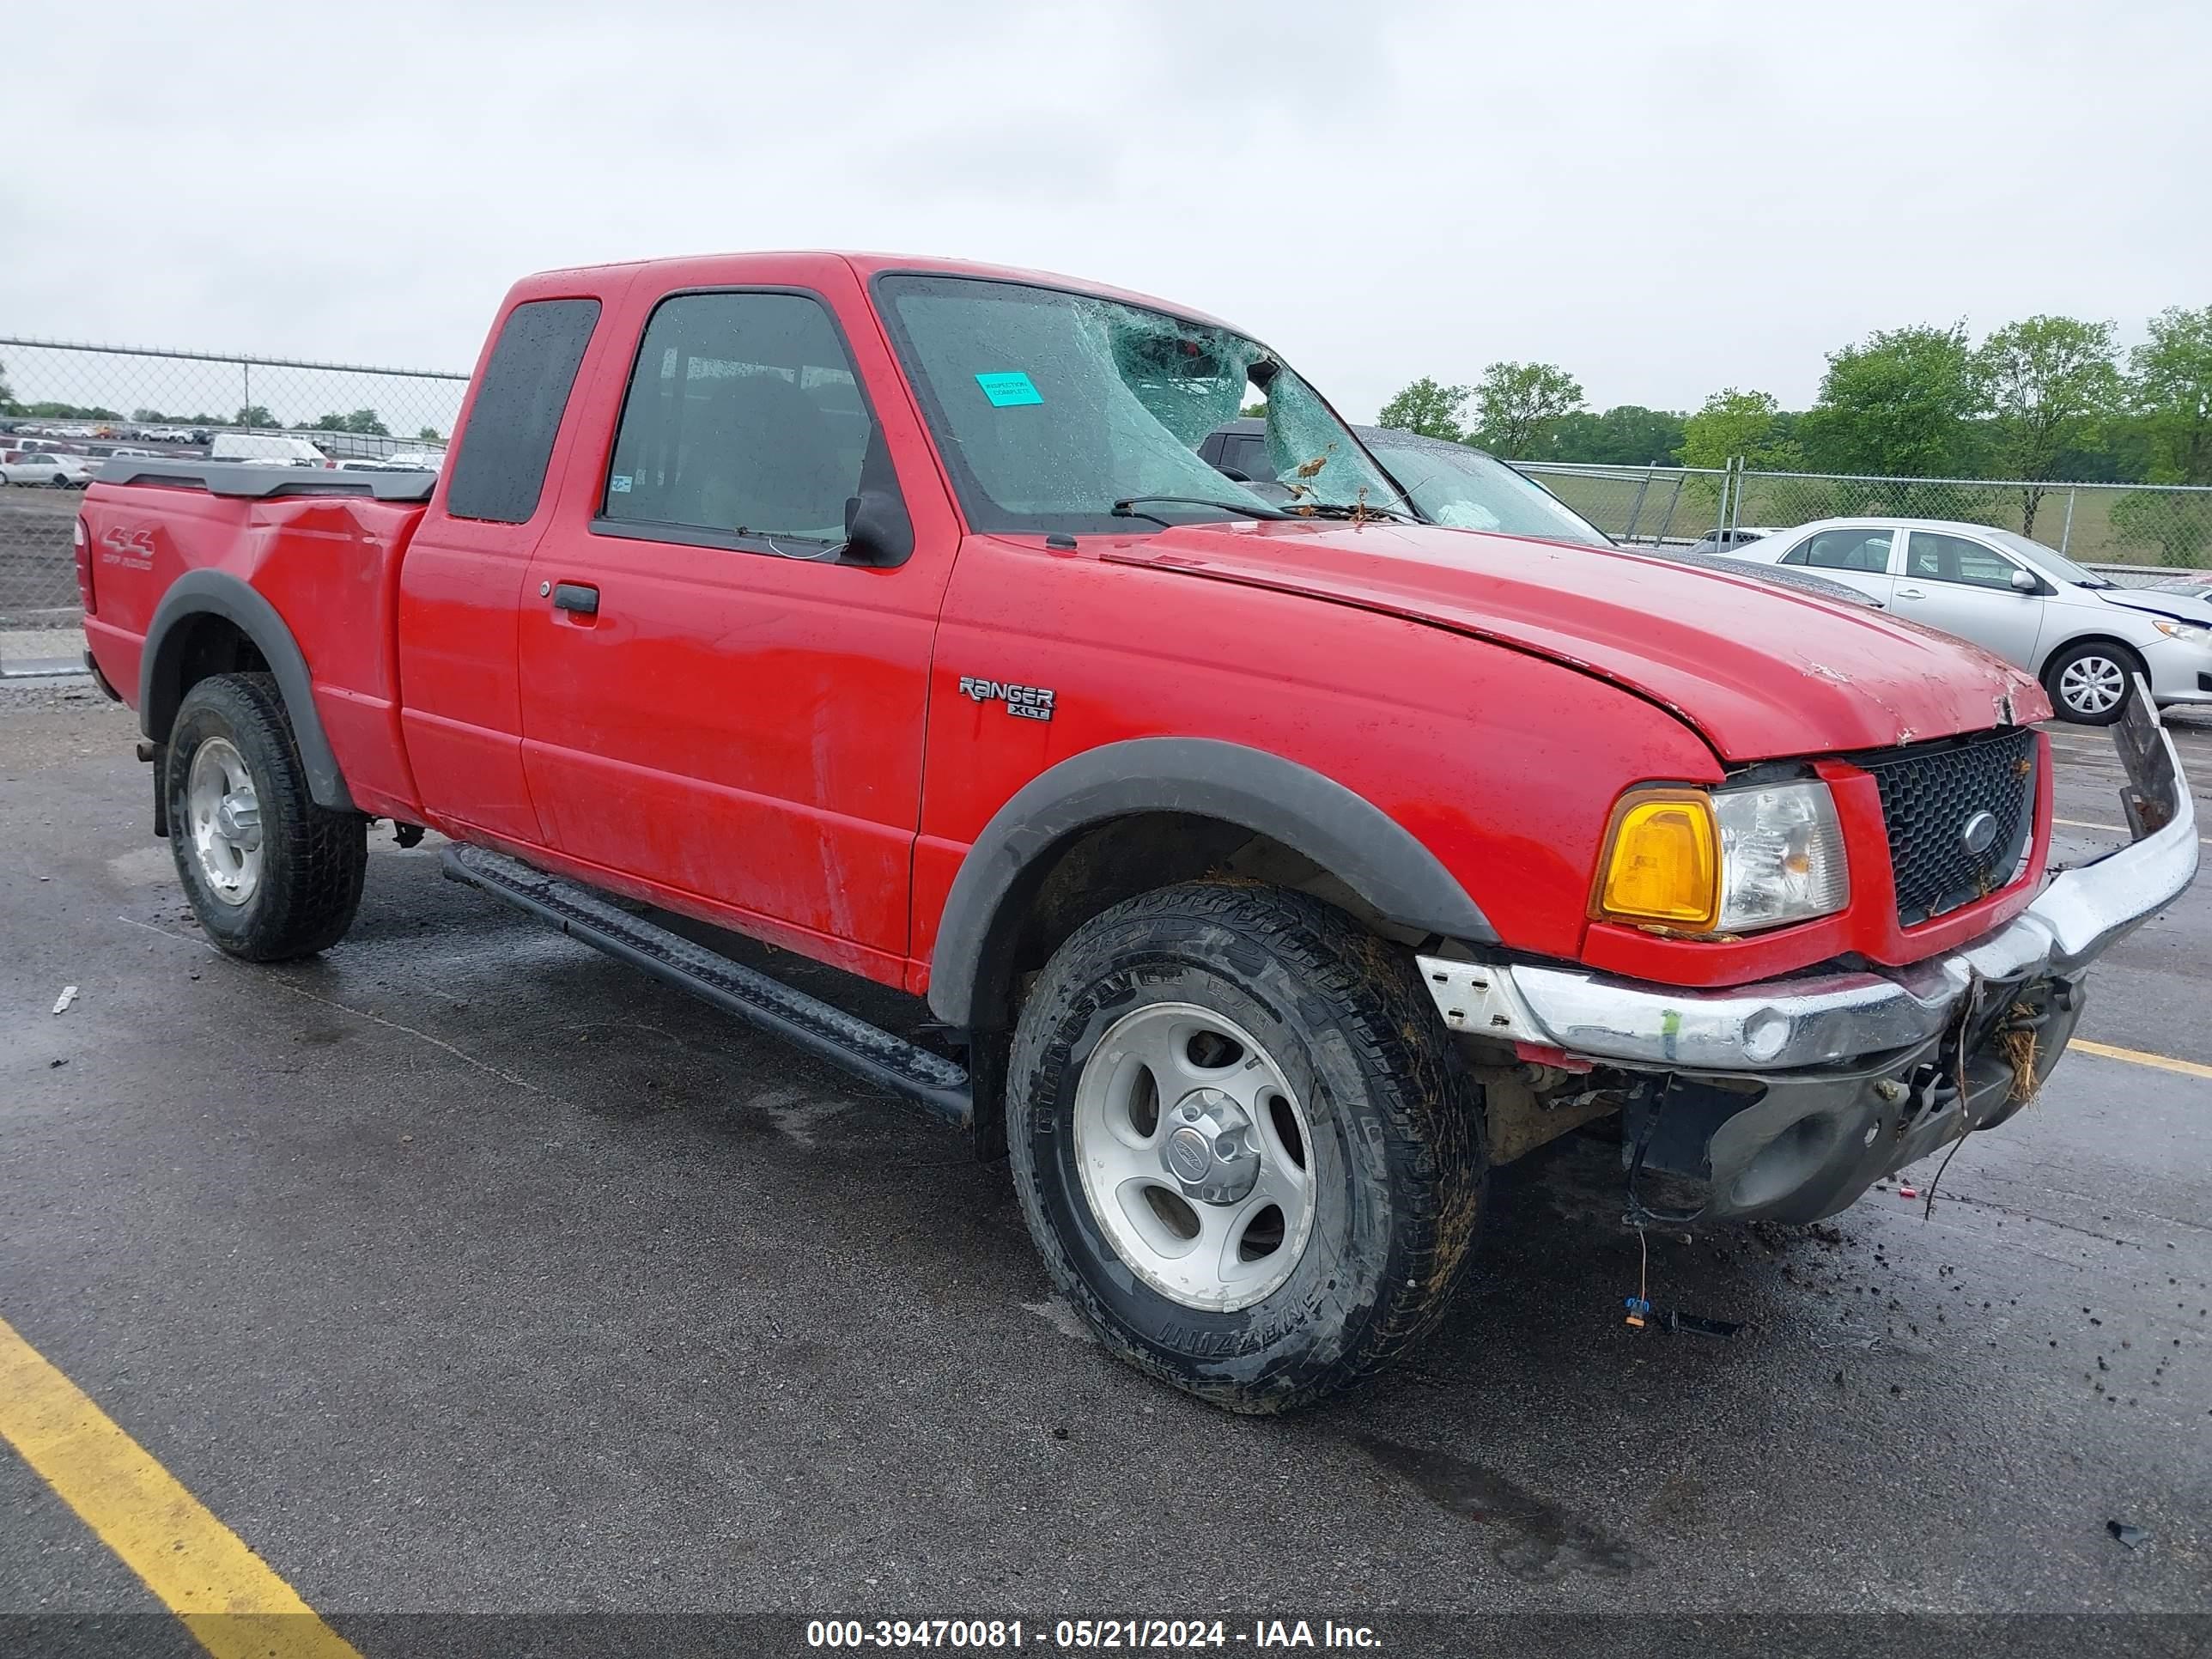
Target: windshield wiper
x=1127 y=507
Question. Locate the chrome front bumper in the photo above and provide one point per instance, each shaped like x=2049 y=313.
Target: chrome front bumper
x=1787 y=1024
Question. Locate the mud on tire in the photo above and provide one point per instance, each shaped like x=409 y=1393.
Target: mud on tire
x=307 y=887
x=1394 y=1161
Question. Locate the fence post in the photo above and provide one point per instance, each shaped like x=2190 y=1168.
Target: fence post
x=2066 y=530
x=1636 y=507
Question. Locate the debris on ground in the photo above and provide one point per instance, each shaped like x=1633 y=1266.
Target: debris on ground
x=2134 y=1537
x=68 y=996
x=1642 y=1315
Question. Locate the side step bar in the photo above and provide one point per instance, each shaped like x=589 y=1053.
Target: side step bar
x=868 y=1052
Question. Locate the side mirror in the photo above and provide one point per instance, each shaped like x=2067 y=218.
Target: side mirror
x=2022 y=582
x=877 y=529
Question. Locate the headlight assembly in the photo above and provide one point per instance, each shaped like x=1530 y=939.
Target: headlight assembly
x=1728 y=861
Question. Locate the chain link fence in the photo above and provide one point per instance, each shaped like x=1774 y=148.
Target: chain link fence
x=86 y=403
x=1649 y=504
x=2149 y=529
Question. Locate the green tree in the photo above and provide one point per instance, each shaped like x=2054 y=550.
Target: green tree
x=254 y=414
x=2170 y=389
x=1425 y=407
x=1627 y=434
x=2050 y=381
x=365 y=421
x=1516 y=404
x=430 y=434
x=1731 y=422
x=1896 y=406
x=7 y=392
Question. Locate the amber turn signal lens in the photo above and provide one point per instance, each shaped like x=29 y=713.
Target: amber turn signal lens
x=1661 y=862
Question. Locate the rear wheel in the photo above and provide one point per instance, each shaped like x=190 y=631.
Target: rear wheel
x=2089 y=682
x=1243 y=1143
x=270 y=875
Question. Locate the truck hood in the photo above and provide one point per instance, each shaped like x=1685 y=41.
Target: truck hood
x=1760 y=671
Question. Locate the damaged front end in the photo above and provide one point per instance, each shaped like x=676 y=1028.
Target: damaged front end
x=1785 y=1100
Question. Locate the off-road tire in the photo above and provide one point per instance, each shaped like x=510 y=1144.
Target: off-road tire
x=2054 y=671
x=1398 y=1160
x=313 y=859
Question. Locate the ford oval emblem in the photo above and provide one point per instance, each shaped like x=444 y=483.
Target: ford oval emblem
x=1980 y=833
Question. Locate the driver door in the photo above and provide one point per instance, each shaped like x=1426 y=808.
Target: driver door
x=1964 y=587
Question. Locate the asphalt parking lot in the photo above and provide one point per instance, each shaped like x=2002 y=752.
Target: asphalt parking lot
x=462 y=1270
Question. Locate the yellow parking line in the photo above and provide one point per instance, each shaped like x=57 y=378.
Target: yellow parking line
x=229 y=1599
x=2110 y=828
x=2137 y=1057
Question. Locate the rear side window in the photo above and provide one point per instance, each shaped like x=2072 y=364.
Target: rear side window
x=500 y=472
x=744 y=422
x=1866 y=551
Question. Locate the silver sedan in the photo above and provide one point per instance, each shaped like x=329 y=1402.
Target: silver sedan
x=2084 y=636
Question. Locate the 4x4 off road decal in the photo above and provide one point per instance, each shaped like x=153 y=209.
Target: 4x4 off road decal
x=1025 y=703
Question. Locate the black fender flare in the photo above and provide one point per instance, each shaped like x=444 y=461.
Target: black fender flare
x=1349 y=836
x=161 y=670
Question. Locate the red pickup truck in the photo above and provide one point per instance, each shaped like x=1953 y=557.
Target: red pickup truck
x=1273 y=862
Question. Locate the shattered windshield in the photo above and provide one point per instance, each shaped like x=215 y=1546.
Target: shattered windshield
x=1051 y=407
x=1468 y=490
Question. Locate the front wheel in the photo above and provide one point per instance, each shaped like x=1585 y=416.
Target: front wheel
x=2089 y=682
x=1243 y=1143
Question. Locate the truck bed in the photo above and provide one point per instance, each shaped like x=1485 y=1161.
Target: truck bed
x=322 y=547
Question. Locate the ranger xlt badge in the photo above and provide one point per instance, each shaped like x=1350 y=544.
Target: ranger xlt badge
x=1026 y=703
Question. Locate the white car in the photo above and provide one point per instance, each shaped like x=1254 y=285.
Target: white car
x=57 y=471
x=2082 y=635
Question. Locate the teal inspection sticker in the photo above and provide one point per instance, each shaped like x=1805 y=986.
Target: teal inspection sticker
x=1009 y=388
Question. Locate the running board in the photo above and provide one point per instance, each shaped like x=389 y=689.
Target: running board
x=868 y=1052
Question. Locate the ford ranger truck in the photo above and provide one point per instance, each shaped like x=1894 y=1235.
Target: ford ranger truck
x=1273 y=863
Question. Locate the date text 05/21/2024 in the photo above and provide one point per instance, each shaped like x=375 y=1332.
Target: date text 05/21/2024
x=1087 y=1635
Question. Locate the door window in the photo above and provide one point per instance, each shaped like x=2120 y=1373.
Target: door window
x=1932 y=558
x=743 y=424
x=1866 y=551
x=500 y=472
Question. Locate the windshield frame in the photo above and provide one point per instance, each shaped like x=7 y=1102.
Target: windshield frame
x=980 y=513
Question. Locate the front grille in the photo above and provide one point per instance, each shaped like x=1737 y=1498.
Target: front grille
x=1929 y=795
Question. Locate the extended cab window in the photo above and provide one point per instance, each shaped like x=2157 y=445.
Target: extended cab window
x=500 y=471
x=743 y=421
x=1864 y=551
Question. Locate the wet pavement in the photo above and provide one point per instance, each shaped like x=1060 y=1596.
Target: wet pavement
x=465 y=1269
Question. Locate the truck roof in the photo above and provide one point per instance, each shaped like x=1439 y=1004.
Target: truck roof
x=682 y=268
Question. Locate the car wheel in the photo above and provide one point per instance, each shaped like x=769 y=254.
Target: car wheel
x=2089 y=682
x=270 y=875
x=1244 y=1142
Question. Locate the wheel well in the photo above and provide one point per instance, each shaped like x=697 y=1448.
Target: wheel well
x=1103 y=864
x=210 y=645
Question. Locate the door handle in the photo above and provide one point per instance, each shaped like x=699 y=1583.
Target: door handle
x=576 y=597
x=1910 y=593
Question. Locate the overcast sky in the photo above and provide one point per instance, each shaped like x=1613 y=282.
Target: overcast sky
x=1665 y=198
